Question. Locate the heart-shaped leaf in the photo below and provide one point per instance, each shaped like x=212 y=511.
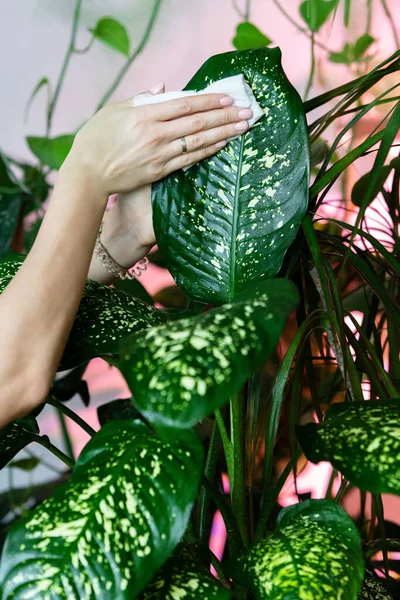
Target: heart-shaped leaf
x=372 y=588
x=228 y=221
x=180 y=373
x=184 y=577
x=361 y=440
x=112 y=33
x=105 y=534
x=15 y=436
x=315 y=553
x=316 y=12
x=248 y=36
x=51 y=152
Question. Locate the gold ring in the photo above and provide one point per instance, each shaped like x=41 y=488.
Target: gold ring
x=184 y=147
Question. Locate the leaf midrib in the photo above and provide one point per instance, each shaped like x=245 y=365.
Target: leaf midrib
x=232 y=266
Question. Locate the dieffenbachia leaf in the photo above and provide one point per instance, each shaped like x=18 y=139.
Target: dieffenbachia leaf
x=181 y=372
x=183 y=577
x=105 y=315
x=15 y=436
x=118 y=410
x=361 y=440
x=315 y=552
x=372 y=588
x=106 y=532
x=227 y=222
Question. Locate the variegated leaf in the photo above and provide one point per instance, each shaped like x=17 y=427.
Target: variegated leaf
x=228 y=221
x=361 y=440
x=315 y=553
x=105 y=315
x=372 y=588
x=183 y=577
x=105 y=534
x=181 y=372
x=15 y=436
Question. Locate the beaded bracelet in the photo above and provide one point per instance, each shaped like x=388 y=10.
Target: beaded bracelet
x=113 y=266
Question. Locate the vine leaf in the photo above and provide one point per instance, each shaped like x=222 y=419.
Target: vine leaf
x=51 y=151
x=183 y=576
x=248 y=36
x=227 y=222
x=105 y=533
x=112 y=33
x=315 y=552
x=316 y=12
x=180 y=373
x=361 y=440
x=15 y=436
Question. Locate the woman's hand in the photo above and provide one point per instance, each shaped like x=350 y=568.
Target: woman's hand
x=123 y=148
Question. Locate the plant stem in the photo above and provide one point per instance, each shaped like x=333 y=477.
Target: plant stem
x=232 y=532
x=70 y=414
x=312 y=69
x=136 y=53
x=392 y=23
x=252 y=412
x=237 y=478
x=225 y=441
x=273 y=495
x=44 y=441
x=70 y=50
x=64 y=430
x=204 y=518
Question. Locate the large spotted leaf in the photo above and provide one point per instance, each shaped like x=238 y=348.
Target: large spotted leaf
x=15 y=436
x=372 y=588
x=181 y=372
x=228 y=221
x=105 y=534
x=315 y=553
x=183 y=577
x=361 y=440
x=105 y=315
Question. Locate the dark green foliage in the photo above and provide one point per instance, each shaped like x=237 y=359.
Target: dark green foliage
x=15 y=436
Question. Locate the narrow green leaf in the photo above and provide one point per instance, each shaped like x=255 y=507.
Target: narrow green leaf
x=51 y=152
x=106 y=533
x=372 y=588
x=228 y=221
x=184 y=577
x=180 y=373
x=15 y=436
x=316 y=12
x=315 y=552
x=361 y=187
x=347 y=9
x=112 y=33
x=41 y=83
x=249 y=37
x=361 y=440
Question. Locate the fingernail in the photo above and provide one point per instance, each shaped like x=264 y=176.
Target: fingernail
x=157 y=87
x=245 y=113
x=226 y=101
x=242 y=126
x=221 y=144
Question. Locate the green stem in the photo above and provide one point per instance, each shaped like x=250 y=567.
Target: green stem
x=342 y=490
x=392 y=23
x=204 y=519
x=66 y=437
x=70 y=50
x=225 y=441
x=369 y=16
x=71 y=415
x=273 y=496
x=237 y=478
x=44 y=441
x=130 y=60
x=312 y=69
x=252 y=413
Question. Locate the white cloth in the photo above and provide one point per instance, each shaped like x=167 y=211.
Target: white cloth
x=235 y=86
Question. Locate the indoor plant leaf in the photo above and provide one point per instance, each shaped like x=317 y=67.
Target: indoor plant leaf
x=118 y=410
x=372 y=588
x=361 y=440
x=106 y=532
x=51 y=152
x=112 y=33
x=315 y=552
x=181 y=372
x=10 y=206
x=183 y=576
x=228 y=221
x=15 y=436
x=316 y=12
x=248 y=36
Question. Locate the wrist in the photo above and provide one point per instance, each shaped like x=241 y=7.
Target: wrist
x=122 y=242
x=76 y=175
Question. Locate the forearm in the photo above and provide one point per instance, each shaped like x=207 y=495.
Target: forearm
x=38 y=307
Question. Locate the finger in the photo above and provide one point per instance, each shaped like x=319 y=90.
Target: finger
x=157 y=88
x=173 y=109
x=186 y=160
x=207 y=138
x=207 y=120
